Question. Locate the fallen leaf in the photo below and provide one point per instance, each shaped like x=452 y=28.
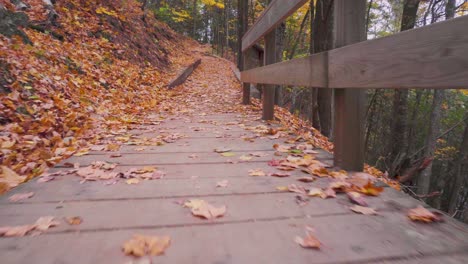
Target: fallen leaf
x=308 y=242
x=112 y=147
x=20 y=196
x=282 y=188
x=204 y=209
x=274 y=162
x=296 y=189
x=223 y=183
x=258 y=154
x=74 y=220
x=47 y=178
x=421 y=214
x=132 y=181
x=228 y=154
x=306 y=179
x=16 y=231
x=328 y=193
x=370 y=189
x=315 y=192
x=279 y=174
x=45 y=222
x=356 y=198
x=222 y=149
x=256 y=172
x=115 y=155
x=141 y=245
x=10 y=178
x=245 y=158
x=81 y=152
x=363 y=210
x=339 y=186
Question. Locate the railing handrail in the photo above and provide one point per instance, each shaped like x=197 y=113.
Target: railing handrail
x=434 y=56
x=276 y=12
x=430 y=57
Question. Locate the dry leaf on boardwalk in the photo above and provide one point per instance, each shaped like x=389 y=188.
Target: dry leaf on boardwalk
x=222 y=150
x=356 y=198
x=296 y=189
x=20 y=196
x=421 y=214
x=228 y=154
x=141 y=245
x=308 y=242
x=370 y=189
x=74 y=220
x=328 y=193
x=315 y=192
x=9 y=179
x=245 y=157
x=257 y=172
x=223 y=183
x=279 y=174
x=363 y=210
x=339 y=186
x=204 y=209
x=306 y=179
x=132 y=181
x=41 y=225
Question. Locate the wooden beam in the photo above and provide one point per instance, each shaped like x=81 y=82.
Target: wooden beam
x=349 y=104
x=184 y=74
x=308 y=71
x=269 y=90
x=434 y=56
x=274 y=13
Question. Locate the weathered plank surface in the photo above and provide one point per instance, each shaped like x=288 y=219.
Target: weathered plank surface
x=310 y=71
x=180 y=79
x=275 y=13
x=435 y=56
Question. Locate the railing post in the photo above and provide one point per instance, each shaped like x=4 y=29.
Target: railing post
x=269 y=89
x=349 y=23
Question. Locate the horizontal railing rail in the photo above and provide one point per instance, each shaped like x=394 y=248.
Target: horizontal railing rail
x=430 y=57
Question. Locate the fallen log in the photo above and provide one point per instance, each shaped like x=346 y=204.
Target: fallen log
x=184 y=74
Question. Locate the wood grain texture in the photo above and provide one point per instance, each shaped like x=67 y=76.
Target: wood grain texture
x=184 y=74
x=350 y=104
x=275 y=13
x=309 y=71
x=434 y=56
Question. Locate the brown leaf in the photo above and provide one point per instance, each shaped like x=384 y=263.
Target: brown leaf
x=132 y=181
x=356 y=198
x=306 y=179
x=45 y=222
x=74 y=220
x=296 y=189
x=257 y=172
x=363 y=210
x=370 y=189
x=16 y=231
x=222 y=150
x=315 y=192
x=328 y=193
x=308 y=242
x=141 y=245
x=279 y=174
x=20 y=196
x=421 y=214
x=204 y=209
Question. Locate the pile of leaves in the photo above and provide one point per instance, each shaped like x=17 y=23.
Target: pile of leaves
x=99 y=65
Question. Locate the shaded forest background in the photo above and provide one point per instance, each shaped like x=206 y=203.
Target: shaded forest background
x=419 y=137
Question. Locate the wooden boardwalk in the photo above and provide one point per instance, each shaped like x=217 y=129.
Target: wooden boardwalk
x=260 y=223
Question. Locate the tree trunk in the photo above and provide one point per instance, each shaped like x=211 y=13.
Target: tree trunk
x=397 y=144
x=323 y=41
x=424 y=180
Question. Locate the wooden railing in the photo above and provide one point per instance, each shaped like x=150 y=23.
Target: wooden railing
x=434 y=56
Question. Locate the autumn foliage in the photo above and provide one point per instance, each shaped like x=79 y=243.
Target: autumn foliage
x=100 y=59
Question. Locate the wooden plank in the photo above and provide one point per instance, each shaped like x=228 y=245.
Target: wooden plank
x=308 y=71
x=275 y=13
x=349 y=103
x=184 y=74
x=269 y=90
x=434 y=56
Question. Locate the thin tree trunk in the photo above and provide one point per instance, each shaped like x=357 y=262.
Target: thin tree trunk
x=399 y=129
x=424 y=180
x=368 y=15
x=323 y=41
